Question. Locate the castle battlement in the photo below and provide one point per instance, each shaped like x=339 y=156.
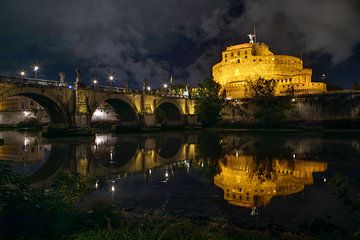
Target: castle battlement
x=248 y=61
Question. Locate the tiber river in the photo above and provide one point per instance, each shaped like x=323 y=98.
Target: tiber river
x=253 y=180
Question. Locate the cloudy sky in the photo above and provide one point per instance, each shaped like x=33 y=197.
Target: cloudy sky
x=137 y=39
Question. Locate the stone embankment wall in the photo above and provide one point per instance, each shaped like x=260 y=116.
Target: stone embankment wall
x=312 y=108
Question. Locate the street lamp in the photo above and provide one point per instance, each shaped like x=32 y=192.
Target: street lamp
x=36 y=69
x=94 y=82
x=111 y=78
x=148 y=88
x=22 y=73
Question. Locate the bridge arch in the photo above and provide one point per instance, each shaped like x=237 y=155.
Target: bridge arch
x=55 y=109
x=124 y=109
x=114 y=159
x=169 y=148
x=169 y=113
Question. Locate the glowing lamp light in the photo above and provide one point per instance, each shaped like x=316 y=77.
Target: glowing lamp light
x=36 y=69
x=112 y=188
x=111 y=77
x=22 y=73
x=94 y=81
x=148 y=88
x=293 y=99
x=165 y=85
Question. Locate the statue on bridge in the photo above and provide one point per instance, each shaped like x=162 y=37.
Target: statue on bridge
x=78 y=82
x=78 y=75
x=145 y=85
x=62 y=77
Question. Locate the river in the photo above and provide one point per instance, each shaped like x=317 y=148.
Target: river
x=251 y=179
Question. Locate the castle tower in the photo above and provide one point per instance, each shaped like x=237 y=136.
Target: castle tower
x=248 y=61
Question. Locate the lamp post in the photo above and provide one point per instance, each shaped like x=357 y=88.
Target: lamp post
x=111 y=79
x=36 y=69
x=94 y=82
x=22 y=73
x=165 y=88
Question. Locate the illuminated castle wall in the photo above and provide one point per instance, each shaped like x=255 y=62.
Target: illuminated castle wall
x=248 y=61
x=242 y=188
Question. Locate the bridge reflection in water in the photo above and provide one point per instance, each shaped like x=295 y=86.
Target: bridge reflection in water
x=105 y=156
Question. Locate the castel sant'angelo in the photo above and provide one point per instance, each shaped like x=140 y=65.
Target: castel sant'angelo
x=249 y=61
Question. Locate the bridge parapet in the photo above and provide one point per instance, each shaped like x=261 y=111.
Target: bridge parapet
x=74 y=106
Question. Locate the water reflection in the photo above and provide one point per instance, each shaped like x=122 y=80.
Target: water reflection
x=243 y=186
x=251 y=169
x=255 y=169
x=25 y=151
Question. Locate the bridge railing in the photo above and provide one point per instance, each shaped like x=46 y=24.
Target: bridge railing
x=43 y=82
x=31 y=81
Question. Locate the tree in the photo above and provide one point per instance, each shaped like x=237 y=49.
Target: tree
x=269 y=110
x=261 y=87
x=210 y=100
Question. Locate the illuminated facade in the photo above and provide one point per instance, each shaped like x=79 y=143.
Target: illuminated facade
x=242 y=187
x=14 y=104
x=249 y=61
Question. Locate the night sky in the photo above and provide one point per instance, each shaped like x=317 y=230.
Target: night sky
x=137 y=39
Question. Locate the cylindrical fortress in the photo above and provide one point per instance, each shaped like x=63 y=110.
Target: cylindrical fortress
x=249 y=61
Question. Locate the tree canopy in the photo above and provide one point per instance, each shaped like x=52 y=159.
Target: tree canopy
x=210 y=100
x=261 y=87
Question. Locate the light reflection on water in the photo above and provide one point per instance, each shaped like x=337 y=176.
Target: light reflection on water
x=250 y=170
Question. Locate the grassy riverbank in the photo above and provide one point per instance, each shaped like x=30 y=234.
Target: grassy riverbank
x=160 y=226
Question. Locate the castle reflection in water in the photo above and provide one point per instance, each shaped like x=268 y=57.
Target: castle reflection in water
x=250 y=174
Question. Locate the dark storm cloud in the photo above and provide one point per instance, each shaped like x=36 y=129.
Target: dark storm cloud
x=326 y=26
x=138 y=39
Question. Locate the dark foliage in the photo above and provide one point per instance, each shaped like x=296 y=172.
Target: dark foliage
x=210 y=101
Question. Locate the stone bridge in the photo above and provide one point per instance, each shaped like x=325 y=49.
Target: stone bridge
x=73 y=107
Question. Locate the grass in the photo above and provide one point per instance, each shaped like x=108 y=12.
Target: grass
x=160 y=226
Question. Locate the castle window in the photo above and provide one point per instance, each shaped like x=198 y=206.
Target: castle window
x=232 y=54
x=238 y=60
x=245 y=51
x=260 y=59
x=238 y=53
x=245 y=56
x=225 y=55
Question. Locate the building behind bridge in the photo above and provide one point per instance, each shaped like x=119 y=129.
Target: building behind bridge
x=248 y=61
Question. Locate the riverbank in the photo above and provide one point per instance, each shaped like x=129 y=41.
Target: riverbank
x=159 y=225
x=325 y=125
